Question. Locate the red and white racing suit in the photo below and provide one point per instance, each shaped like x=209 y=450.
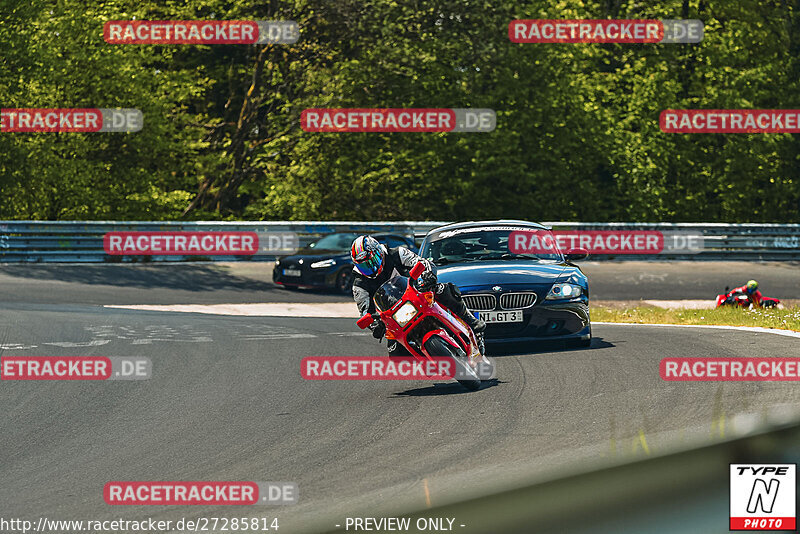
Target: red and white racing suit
x=755 y=296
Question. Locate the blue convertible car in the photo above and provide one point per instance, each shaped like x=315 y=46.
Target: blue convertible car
x=522 y=297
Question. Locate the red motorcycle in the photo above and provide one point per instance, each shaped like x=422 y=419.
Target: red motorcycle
x=743 y=301
x=427 y=330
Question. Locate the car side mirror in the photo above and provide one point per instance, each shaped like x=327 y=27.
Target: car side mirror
x=364 y=322
x=577 y=254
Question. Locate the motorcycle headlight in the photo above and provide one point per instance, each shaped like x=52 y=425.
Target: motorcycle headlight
x=564 y=291
x=406 y=312
x=323 y=263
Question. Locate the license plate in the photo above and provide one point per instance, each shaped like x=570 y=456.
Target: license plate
x=292 y=272
x=501 y=316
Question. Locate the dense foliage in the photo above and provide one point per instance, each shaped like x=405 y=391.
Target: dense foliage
x=577 y=133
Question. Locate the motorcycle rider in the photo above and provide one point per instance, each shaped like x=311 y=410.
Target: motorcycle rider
x=374 y=265
x=750 y=289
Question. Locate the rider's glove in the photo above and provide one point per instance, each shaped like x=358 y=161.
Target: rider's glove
x=379 y=330
x=427 y=281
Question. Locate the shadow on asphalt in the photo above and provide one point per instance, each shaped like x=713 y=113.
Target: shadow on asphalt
x=521 y=349
x=188 y=277
x=448 y=388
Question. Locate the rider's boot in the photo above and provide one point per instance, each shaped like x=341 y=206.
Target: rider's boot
x=396 y=349
x=477 y=326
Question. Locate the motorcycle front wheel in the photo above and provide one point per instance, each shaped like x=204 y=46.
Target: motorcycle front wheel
x=465 y=375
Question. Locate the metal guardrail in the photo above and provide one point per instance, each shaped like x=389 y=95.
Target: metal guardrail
x=82 y=241
x=721 y=241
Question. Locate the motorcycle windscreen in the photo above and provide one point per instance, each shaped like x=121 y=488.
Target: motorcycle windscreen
x=390 y=293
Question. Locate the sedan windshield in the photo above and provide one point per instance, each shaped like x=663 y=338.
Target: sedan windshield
x=334 y=242
x=480 y=245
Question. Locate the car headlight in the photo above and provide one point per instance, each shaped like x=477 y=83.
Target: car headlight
x=564 y=291
x=323 y=263
x=406 y=312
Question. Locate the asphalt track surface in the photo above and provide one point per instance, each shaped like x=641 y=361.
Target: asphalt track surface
x=228 y=283
x=226 y=402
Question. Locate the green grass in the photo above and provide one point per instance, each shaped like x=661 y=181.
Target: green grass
x=787 y=318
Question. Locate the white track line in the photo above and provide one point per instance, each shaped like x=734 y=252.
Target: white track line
x=789 y=333
x=272 y=309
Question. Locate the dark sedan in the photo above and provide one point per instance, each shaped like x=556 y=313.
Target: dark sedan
x=522 y=297
x=326 y=262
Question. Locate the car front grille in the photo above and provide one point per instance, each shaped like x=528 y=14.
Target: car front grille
x=480 y=302
x=517 y=301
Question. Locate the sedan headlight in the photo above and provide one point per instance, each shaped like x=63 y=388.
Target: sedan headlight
x=406 y=312
x=564 y=291
x=323 y=263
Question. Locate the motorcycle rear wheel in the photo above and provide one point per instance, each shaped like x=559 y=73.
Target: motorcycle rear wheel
x=438 y=347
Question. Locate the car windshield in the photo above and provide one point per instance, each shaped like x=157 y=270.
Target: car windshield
x=334 y=242
x=390 y=292
x=482 y=245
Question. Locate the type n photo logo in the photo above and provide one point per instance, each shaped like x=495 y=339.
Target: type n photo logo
x=763 y=497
